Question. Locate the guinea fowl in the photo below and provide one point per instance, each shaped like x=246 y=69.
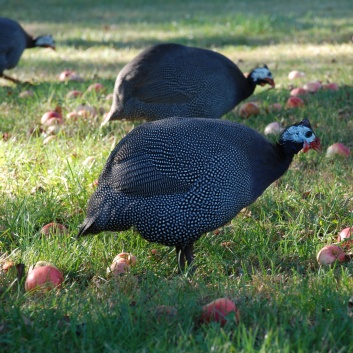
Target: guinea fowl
x=13 y=41
x=178 y=178
x=167 y=80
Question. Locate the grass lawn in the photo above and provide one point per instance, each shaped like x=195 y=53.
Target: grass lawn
x=287 y=302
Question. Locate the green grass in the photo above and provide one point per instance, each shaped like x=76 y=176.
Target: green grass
x=287 y=302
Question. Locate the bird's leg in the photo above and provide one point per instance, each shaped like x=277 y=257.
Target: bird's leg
x=14 y=80
x=180 y=258
x=188 y=254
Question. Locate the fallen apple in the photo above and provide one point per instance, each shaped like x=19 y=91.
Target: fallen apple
x=338 y=149
x=43 y=278
x=118 y=267
x=330 y=86
x=218 y=311
x=74 y=94
x=69 y=75
x=294 y=102
x=295 y=92
x=295 y=74
x=131 y=259
x=273 y=128
x=312 y=86
x=329 y=254
x=49 y=139
x=40 y=264
x=248 y=109
x=72 y=116
x=277 y=107
x=345 y=233
x=54 y=228
x=97 y=87
x=51 y=117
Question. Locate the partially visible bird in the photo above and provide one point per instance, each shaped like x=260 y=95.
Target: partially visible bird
x=13 y=41
x=177 y=178
x=167 y=80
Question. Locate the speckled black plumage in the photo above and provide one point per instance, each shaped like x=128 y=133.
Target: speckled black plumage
x=167 y=80
x=177 y=178
x=13 y=41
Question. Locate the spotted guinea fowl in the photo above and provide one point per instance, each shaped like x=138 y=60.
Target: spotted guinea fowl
x=169 y=79
x=13 y=41
x=177 y=178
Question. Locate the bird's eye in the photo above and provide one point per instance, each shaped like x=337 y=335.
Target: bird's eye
x=308 y=134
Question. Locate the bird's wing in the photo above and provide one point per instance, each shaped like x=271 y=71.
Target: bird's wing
x=161 y=91
x=140 y=175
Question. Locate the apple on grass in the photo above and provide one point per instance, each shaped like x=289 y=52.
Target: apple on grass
x=43 y=278
x=51 y=117
x=248 y=109
x=54 y=228
x=338 y=149
x=295 y=92
x=345 y=237
x=331 y=254
x=295 y=102
x=218 y=311
x=295 y=74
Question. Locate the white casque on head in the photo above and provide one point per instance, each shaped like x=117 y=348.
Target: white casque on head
x=45 y=41
x=298 y=133
x=261 y=73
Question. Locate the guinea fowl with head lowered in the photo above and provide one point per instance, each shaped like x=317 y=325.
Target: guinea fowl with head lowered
x=13 y=41
x=167 y=80
x=178 y=178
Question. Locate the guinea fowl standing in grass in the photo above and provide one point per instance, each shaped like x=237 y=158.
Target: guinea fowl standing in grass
x=13 y=41
x=167 y=80
x=177 y=178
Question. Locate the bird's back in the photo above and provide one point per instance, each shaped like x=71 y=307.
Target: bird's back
x=174 y=80
x=13 y=41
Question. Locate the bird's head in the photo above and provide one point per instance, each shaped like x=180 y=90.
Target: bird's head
x=46 y=41
x=300 y=136
x=262 y=76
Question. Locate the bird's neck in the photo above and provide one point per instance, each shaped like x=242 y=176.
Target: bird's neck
x=30 y=41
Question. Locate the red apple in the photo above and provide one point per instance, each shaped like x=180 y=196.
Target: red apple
x=338 y=149
x=295 y=92
x=345 y=233
x=330 y=86
x=273 y=128
x=218 y=310
x=248 y=109
x=294 y=102
x=345 y=238
x=43 y=278
x=277 y=107
x=97 y=87
x=330 y=254
x=54 y=228
x=295 y=74
x=312 y=86
x=51 y=117
x=74 y=94
x=69 y=75
x=72 y=116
